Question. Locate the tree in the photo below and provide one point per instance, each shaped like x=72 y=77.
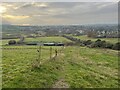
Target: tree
x=12 y=42
x=88 y=42
x=116 y=46
x=109 y=45
x=99 y=43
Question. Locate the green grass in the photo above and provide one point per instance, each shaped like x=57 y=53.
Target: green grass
x=111 y=40
x=38 y=39
x=78 y=66
x=47 y=39
x=93 y=68
x=18 y=70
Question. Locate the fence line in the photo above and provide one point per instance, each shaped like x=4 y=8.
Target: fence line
x=53 y=53
x=17 y=48
x=23 y=48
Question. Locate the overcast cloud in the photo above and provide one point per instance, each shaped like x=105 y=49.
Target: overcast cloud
x=59 y=13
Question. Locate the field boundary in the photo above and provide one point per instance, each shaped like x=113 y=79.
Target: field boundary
x=22 y=48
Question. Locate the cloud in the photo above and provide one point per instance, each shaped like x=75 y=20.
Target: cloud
x=61 y=12
x=15 y=17
x=32 y=5
x=2 y=9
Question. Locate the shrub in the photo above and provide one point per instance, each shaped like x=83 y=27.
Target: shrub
x=88 y=42
x=12 y=42
x=109 y=45
x=116 y=46
x=103 y=44
x=82 y=43
x=97 y=43
x=98 y=40
x=92 y=45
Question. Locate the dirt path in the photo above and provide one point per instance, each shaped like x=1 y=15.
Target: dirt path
x=61 y=83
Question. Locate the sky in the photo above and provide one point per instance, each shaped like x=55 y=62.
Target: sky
x=52 y=13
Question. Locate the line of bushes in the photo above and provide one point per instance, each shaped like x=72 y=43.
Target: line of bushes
x=14 y=42
x=94 y=44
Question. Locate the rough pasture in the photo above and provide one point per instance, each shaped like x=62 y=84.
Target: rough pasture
x=74 y=67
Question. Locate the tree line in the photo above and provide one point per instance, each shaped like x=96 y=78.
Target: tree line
x=94 y=44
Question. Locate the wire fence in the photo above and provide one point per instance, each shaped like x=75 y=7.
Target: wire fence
x=53 y=52
x=23 y=48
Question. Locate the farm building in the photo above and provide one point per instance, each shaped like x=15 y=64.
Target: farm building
x=53 y=44
x=49 y=44
x=45 y=44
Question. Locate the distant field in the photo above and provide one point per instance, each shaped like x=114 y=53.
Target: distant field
x=38 y=39
x=111 y=40
x=48 y=39
x=74 y=67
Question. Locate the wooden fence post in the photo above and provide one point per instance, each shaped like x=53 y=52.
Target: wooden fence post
x=50 y=52
x=56 y=52
x=78 y=52
x=39 y=53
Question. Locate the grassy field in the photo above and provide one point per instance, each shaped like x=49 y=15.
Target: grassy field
x=47 y=39
x=73 y=67
x=111 y=40
x=38 y=39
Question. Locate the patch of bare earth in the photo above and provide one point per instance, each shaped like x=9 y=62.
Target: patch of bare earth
x=61 y=84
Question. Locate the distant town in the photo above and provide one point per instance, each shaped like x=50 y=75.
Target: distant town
x=95 y=31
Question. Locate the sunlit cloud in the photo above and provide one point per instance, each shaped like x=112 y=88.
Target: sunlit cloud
x=21 y=24
x=32 y=4
x=43 y=5
x=2 y=9
x=15 y=17
x=21 y=6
